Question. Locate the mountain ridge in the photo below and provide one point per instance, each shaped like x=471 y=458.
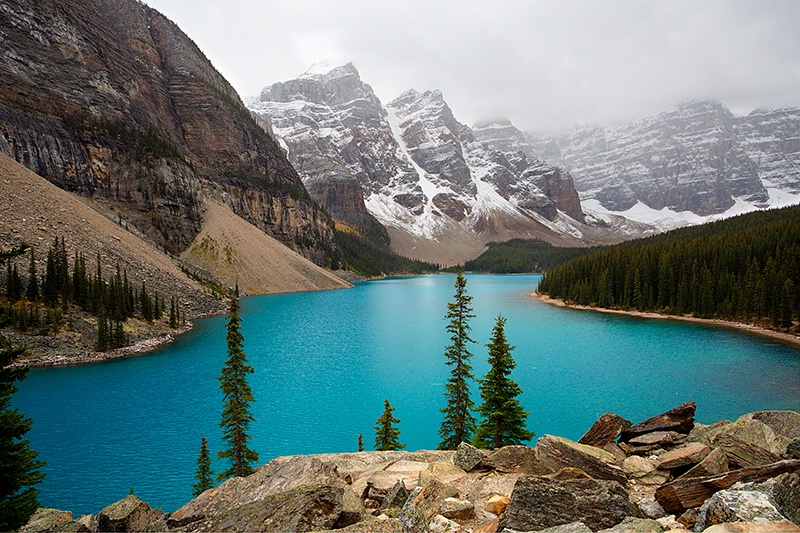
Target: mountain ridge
x=441 y=193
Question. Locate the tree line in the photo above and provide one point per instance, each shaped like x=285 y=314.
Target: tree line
x=746 y=268
x=523 y=255
x=39 y=302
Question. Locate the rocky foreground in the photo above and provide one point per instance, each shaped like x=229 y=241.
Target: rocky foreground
x=666 y=473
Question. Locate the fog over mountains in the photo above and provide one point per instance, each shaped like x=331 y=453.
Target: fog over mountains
x=444 y=189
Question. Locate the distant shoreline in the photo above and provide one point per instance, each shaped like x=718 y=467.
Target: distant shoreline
x=789 y=338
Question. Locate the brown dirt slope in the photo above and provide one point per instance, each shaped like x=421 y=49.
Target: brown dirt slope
x=34 y=211
x=234 y=250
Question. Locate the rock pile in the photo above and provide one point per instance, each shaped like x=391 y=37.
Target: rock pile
x=663 y=474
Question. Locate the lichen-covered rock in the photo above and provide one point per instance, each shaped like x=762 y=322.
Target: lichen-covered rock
x=781 y=526
x=396 y=497
x=635 y=525
x=130 y=514
x=445 y=472
x=45 y=519
x=557 y=453
x=516 y=459
x=714 y=463
x=467 y=457
x=737 y=506
x=538 y=503
x=429 y=499
x=308 y=508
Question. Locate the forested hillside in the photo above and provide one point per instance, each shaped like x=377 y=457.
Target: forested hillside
x=523 y=255
x=743 y=268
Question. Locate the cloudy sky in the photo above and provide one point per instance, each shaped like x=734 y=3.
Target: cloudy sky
x=547 y=65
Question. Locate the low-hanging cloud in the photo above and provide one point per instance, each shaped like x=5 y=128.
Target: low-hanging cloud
x=546 y=65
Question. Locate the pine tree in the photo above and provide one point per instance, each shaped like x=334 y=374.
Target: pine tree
x=503 y=421
x=173 y=314
x=237 y=397
x=19 y=466
x=459 y=423
x=386 y=435
x=32 y=292
x=205 y=474
x=360 y=442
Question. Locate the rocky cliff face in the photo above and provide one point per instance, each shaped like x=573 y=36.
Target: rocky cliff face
x=421 y=173
x=698 y=158
x=108 y=98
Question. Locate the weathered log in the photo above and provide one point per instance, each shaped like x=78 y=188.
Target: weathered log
x=680 y=419
x=605 y=430
x=685 y=493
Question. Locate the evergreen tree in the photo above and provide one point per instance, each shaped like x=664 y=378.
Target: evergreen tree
x=503 y=421
x=32 y=292
x=360 y=442
x=386 y=435
x=237 y=397
x=19 y=466
x=204 y=473
x=459 y=423
x=173 y=314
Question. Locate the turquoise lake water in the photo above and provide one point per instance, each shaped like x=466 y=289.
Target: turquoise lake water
x=325 y=361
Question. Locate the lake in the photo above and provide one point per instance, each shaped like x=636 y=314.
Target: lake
x=325 y=361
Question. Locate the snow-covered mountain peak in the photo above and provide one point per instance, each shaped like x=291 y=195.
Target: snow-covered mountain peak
x=420 y=172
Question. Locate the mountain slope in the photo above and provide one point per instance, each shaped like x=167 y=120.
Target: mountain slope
x=684 y=165
x=109 y=99
x=441 y=192
x=239 y=253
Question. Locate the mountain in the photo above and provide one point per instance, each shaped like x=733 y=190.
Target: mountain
x=683 y=166
x=441 y=189
x=111 y=100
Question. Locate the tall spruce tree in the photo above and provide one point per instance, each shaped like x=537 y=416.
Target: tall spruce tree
x=237 y=397
x=204 y=475
x=387 y=437
x=459 y=424
x=19 y=466
x=503 y=419
x=32 y=291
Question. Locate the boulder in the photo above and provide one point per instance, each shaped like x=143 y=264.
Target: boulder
x=130 y=514
x=429 y=499
x=737 y=506
x=442 y=524
x=636 y=525
x=374 y=524
x=445 y=472
x=689 y=454
x=411 y=517
x=783 y=526
x=46 y=519
x=308 y=508
x=572 y=527
x=556 y=453
x=457 y=509
x=716 y=462
x=793 y=450
x=539 y=503
x=679 y=419
x=644 y=472
x=467 y=457
x=516 y=459
x=497 y=503
x=741 y=453
x=686 y=493
x=605 y=430
x=770 y=430
x=278 y=476
x=396 y=497
x=487 y=526
x=375 y=482
x=658 y=438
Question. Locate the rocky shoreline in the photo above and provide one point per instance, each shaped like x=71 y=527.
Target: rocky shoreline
x=753 y=329
x=666 y=473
